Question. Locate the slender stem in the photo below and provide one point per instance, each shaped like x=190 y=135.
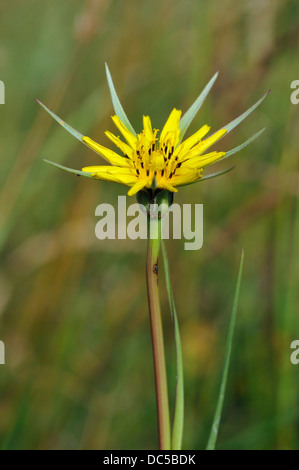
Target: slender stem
x=153 y=245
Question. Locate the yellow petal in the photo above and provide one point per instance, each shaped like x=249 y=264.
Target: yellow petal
x=167 y=185
x=187 y=178
x=202 y=160
x=171 y=128
x=184 y=170
x=137 y=187
x=209 y=160
x=125 y=148
x=110 y=173
x=109 y=155
x=205 y=144
x=192 y=140
x=148 y=131
x=130 y=138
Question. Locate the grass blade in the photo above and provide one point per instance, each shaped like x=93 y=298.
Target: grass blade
x=178 y=419
x=194 y=108
x=217 y=416
x=119 y=110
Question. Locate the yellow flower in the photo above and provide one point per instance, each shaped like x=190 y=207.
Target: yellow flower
x=155 y=161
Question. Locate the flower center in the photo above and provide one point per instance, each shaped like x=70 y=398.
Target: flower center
x=156 y=161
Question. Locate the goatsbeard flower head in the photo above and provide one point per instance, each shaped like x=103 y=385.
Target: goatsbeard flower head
x=152 y=160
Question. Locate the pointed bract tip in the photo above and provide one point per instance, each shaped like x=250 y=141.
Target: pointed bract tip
x=227 y=170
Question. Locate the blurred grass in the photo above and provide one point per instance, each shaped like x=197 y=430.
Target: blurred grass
x=73 y=312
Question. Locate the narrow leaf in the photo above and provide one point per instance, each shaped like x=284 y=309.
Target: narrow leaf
x=240 y=147
x=194 y=108
x=178 y=420
x=66 y=126
x=119 y=110
x=232 y=151
x=71 y=170
x=229 y=127
x=217 y=416
x=219 y=173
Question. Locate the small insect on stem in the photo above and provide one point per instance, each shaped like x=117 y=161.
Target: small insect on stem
x=155 y=268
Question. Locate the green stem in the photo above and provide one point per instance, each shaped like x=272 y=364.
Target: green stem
x=153 y=245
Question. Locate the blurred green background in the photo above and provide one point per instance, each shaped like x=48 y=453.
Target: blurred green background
x=73 y=309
